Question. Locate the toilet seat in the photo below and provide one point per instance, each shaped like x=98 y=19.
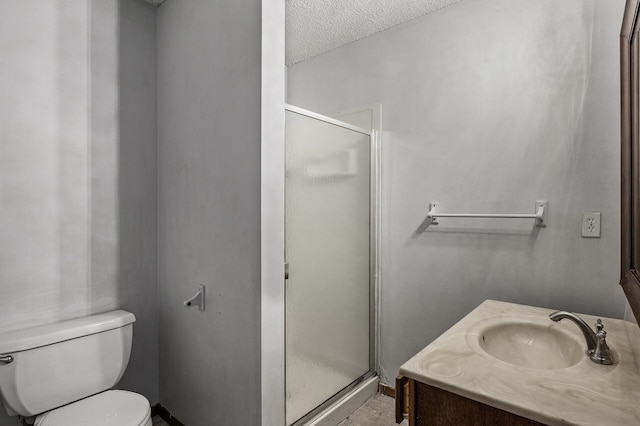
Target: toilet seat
x=110 y=408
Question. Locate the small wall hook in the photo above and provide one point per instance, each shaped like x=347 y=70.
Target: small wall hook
x=197 y=299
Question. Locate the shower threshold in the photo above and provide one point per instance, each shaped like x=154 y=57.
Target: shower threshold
x=345 y=403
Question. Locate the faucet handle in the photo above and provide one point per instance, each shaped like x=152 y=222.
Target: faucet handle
x=600 y=333
x=602 y=353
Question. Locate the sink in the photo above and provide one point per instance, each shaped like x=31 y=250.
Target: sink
x=515 y=358
x=527 y=343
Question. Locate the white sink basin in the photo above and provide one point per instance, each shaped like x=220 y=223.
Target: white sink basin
x=528 y=343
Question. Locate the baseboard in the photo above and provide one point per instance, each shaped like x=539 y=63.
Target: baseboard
x=387 y=390
x=159 y=410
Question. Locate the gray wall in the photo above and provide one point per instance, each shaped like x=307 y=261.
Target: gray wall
x=138 y=192
x=209 y=59
x=77 y=169
x=488 y=105
x=46 y=173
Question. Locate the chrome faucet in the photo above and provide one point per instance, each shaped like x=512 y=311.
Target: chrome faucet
x=597 y=347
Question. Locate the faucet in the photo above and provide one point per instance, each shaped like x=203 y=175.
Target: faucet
x=597 y=347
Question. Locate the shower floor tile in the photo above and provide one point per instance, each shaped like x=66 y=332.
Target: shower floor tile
x=377 y=411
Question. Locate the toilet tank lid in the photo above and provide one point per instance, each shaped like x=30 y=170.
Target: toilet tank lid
x=35 y=337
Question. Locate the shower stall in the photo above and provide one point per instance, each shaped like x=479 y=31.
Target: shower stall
x=330 y=254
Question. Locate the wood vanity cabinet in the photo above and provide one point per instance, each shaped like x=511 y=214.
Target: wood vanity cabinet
x=429 y=405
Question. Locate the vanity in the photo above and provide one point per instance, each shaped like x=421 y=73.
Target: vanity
x=509 y=364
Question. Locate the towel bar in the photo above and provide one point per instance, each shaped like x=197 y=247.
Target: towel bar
x=539 y=215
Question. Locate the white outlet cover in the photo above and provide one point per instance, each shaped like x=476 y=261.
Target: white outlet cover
x=591 y=225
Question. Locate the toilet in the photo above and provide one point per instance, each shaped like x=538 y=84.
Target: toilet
x=62 y=373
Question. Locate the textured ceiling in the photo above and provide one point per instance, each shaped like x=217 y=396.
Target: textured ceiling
x=317 y=26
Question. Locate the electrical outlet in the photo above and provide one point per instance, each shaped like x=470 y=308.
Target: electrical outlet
x=591 y=225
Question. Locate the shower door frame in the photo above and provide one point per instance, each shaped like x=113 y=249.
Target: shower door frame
x=374 y=254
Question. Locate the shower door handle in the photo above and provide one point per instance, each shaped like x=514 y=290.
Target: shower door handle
x=286 y=271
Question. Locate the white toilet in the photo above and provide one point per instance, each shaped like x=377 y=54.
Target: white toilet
x=61 y=373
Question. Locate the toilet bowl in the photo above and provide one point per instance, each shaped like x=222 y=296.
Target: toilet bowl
x=113 y=408
x=61 y=373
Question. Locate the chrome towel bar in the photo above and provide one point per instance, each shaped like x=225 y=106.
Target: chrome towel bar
x=539 y=215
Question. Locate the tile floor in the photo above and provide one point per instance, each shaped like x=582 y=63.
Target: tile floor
x=377 y=411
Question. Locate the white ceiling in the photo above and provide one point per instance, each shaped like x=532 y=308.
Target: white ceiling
x=317 y=26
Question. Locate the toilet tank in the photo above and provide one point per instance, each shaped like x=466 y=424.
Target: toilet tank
x=56 y=364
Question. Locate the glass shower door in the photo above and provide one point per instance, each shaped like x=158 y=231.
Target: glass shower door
x=328 y=259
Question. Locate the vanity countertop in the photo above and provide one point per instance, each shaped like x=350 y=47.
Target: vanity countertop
x=583 y=394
